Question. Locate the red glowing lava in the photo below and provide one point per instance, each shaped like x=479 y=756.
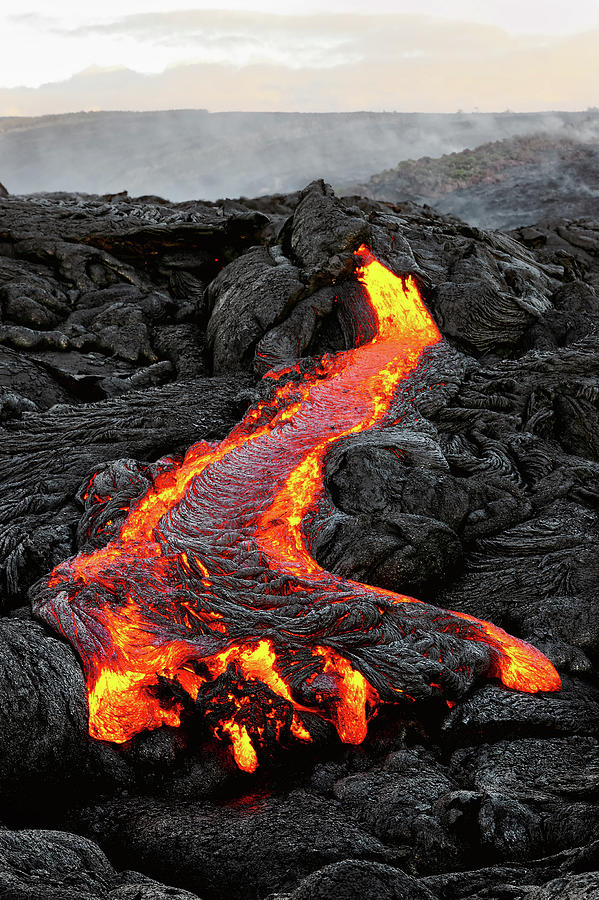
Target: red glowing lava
x=211 y=584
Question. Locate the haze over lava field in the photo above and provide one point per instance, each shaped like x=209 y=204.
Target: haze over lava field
x=194 y=154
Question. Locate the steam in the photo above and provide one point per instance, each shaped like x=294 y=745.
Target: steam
x=193 y=154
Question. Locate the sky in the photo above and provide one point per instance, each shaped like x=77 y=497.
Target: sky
x=427 y=55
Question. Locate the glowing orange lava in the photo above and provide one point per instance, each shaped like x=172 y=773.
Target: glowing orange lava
x=211 y=580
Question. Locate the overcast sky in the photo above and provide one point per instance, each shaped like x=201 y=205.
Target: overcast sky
x=433 y=55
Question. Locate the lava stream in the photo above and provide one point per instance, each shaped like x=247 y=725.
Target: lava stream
x=211 y=587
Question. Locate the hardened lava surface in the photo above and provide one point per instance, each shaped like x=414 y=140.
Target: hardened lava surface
x=246 y=631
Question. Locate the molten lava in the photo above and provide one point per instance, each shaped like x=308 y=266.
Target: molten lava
x=211 y=588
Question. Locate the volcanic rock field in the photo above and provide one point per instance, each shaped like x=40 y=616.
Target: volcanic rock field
x=133 y=329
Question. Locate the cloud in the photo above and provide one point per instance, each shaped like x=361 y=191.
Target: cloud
x=307 y=40
x=33 y=20
x=320 y=63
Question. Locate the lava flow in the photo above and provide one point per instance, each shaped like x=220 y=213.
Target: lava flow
x=210 y=598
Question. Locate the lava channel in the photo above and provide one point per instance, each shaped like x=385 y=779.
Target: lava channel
x=210 y=597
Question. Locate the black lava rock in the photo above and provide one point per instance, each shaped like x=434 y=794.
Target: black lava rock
x=130 y=329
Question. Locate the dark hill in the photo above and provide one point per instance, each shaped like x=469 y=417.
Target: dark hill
x=503 y=184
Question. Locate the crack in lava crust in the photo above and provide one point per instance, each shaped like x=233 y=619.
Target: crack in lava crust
x=211 y=587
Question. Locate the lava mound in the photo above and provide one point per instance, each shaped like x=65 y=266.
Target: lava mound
x=299 y=503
